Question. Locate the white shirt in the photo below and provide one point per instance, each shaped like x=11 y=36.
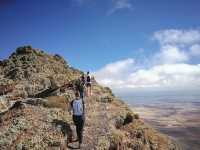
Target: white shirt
x=86 y=79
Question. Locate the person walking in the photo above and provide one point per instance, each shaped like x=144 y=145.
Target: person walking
x=88 y=83
x=78 y=107
x=80 y=86
x=83 y=78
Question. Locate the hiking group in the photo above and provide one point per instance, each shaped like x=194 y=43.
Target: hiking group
x=82 y=86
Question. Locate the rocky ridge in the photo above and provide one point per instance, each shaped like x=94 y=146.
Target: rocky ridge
x=30 y=76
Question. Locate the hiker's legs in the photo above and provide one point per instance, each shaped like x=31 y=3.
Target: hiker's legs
x=82 y=95
x=87 y=91
x=88 y=88
x=79 y=130
x=79 y=122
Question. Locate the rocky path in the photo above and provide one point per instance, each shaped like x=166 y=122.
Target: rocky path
x=96 y=124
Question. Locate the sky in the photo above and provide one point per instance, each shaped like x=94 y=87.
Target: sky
x=125 y=44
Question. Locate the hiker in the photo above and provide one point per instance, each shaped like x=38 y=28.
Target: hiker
x=88 y=83
x=83 y=78
x=80 y=86
x=78 y=107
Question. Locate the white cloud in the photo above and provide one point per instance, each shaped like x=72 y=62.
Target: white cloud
x=120 y=4
x=116 y=76
x=166 y=68
x=115 y=4
x=170 y=54
x=195 y=50
x=177 y=36
x=113 y=74
x=177 y=46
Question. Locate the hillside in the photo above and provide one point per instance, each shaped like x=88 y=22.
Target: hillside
x=34 y=94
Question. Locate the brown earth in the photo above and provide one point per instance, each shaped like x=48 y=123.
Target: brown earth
x=179 y=121
x=105 y=128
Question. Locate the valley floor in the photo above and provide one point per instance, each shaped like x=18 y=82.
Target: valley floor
x=179 y=121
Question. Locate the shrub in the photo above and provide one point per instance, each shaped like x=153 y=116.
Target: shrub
x=128 y=119
x=110 y=98
x=119 y=119
x=136 y=116
x=116 y=139
x=139 y=134
x=58 y=102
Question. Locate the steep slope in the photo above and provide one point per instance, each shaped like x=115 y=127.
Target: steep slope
x=37 y=70
x=27 y=123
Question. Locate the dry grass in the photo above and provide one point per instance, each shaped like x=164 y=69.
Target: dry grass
x=19 y=93
x=58 y=102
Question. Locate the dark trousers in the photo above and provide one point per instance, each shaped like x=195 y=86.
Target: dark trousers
x=79 y=123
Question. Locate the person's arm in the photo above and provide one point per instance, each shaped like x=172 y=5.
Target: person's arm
x=74 y=87
x=84 y=80
x=69 y=109
x=84 y=106
x=84 y=86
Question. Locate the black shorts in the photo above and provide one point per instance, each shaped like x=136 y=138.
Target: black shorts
x=88 y=84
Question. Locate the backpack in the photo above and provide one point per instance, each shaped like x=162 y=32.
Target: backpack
x=83 y=78
x=78 y=107
x=79 y=86
x=88 y=78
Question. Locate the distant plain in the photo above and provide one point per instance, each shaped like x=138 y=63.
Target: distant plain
x=175 y=114
x=179 y=121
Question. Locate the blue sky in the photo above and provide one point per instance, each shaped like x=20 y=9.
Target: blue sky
x=125 y=44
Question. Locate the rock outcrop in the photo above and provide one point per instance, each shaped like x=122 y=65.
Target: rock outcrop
x=6 y=85
x=36 y=70
x=32 y=111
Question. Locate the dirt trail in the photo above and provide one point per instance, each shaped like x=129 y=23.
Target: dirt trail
x=96 y=114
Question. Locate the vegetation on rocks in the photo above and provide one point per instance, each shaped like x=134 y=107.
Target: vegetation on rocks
x=32 y=113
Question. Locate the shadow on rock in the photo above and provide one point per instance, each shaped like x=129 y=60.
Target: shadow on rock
x=65 y=129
